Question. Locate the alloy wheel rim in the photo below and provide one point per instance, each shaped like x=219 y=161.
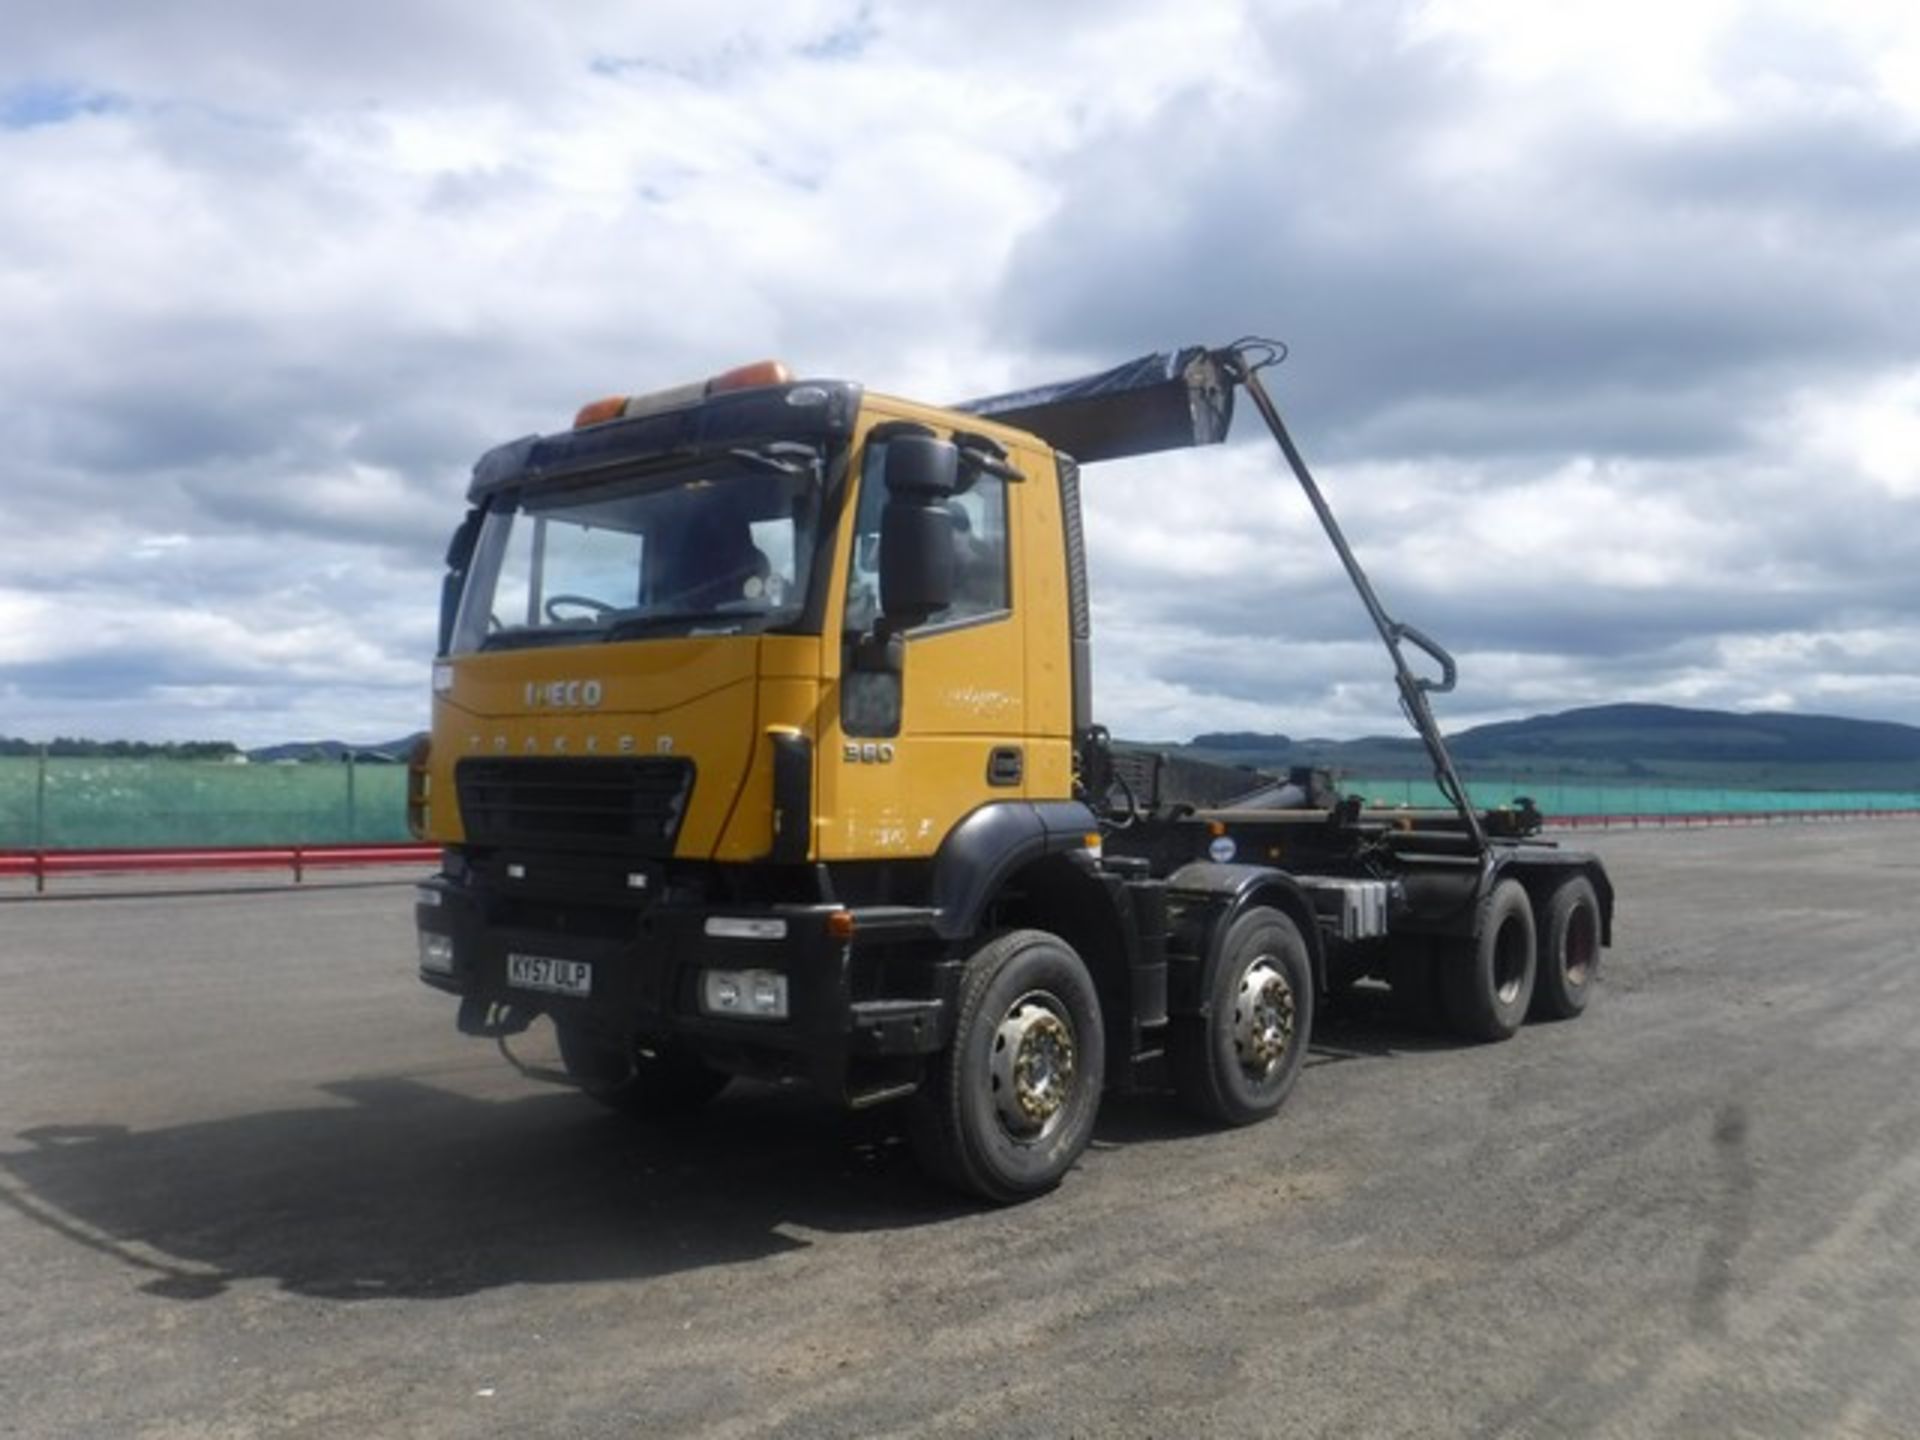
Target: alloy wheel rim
x=1263 y=1017
x=1035 y=1058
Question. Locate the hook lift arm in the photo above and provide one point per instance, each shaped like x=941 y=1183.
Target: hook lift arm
x=1242 y=362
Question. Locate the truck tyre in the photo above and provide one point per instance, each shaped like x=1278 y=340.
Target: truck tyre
x=1235 y=1064
x=1487 y=979
x=1005 y=1111
x=652 y=1085
x=1569 y=951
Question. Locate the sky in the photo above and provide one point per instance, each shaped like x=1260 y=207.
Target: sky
x=1602 y=323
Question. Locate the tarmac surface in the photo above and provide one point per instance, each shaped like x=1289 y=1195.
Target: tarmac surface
x=252 y=1183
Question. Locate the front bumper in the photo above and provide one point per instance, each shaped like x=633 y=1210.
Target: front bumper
x=843 y=1031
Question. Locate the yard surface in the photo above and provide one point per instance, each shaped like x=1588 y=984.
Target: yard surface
x=255 y=1184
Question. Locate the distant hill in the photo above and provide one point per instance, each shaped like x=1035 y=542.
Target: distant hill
x=334 y=750
x=1658 y=743
x=1228 y=740
x=1670 y=732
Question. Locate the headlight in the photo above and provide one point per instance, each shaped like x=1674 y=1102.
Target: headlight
x=436 y=953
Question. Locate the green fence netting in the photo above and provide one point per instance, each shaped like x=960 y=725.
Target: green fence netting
x=74 y=804
x=1555 y=798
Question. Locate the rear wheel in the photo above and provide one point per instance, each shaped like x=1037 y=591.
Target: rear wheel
x=1236 y=1064
x=648 y=1084
x=1487 y=979
x=1009 y=1107
x=1569 y=951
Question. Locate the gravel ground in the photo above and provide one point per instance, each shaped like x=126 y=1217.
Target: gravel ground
x=254 y=1184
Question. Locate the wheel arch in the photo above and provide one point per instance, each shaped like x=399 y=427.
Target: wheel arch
x=992 y=844
x=1207 y=898
x=1063 y=897
x=1544 y=871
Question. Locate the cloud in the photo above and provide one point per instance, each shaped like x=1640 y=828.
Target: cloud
x=1600 y=322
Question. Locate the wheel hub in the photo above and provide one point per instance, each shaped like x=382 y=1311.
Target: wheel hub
x=1263 y=1017
x=1033 y=1065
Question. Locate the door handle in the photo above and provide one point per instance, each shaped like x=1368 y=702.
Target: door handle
x=1006 y=765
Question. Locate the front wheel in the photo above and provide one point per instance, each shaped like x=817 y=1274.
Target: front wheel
x=1010 y=1105
x=1235 y=1064
x=646 y=1084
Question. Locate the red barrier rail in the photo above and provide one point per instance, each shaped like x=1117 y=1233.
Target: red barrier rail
x=41 y=864
x=1690 y=819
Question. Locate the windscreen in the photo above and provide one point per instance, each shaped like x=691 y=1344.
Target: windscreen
x=718 y=548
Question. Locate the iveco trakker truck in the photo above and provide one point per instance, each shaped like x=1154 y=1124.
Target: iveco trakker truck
x=763 y=745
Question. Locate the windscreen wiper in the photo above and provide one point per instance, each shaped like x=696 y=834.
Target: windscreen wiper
x=533 y=637
x=640 y=624
x=780 y=457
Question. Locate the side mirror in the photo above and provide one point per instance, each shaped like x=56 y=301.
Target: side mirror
x=465 y=537
x=459 y=556
x=916 y=560
x=922 y=465
x=916 y=529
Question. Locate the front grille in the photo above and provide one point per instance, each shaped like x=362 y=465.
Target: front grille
x=630 y=806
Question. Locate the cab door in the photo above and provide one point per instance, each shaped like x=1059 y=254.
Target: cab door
x=908 y=750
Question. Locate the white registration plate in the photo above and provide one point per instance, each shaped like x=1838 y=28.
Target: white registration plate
x=543 y=972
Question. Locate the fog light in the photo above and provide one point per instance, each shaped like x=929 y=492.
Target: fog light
x=744 y=994
x=436 y=953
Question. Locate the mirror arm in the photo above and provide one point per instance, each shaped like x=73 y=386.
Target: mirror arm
x=985 y=454
x=882 y=650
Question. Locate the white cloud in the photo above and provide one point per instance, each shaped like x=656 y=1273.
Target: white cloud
x=1869 y=429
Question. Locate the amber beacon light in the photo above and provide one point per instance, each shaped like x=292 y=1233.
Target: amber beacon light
x=626 y=407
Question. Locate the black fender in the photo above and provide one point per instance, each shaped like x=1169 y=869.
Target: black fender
x=1205 y=898
x=1542 y=869
x=989 y=845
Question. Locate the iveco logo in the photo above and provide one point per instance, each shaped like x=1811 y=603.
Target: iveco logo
x=868 y=754
x=564 y=694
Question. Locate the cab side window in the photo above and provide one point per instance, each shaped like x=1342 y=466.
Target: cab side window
x=980 y=585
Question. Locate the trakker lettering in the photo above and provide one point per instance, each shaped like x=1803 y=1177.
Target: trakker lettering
x=560 y=744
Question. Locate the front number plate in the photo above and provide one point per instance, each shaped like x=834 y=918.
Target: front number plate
x=543 y=972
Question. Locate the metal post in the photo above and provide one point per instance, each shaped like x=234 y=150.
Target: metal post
x=353 y=831
x=40 y=801
x=40 y=824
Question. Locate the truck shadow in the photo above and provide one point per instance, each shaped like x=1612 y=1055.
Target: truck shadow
x=1366 y=1023
x=401 y=1189
x=410 y=1191
x=1370 y=1021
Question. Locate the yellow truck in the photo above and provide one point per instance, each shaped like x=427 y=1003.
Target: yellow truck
x=763 y=745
